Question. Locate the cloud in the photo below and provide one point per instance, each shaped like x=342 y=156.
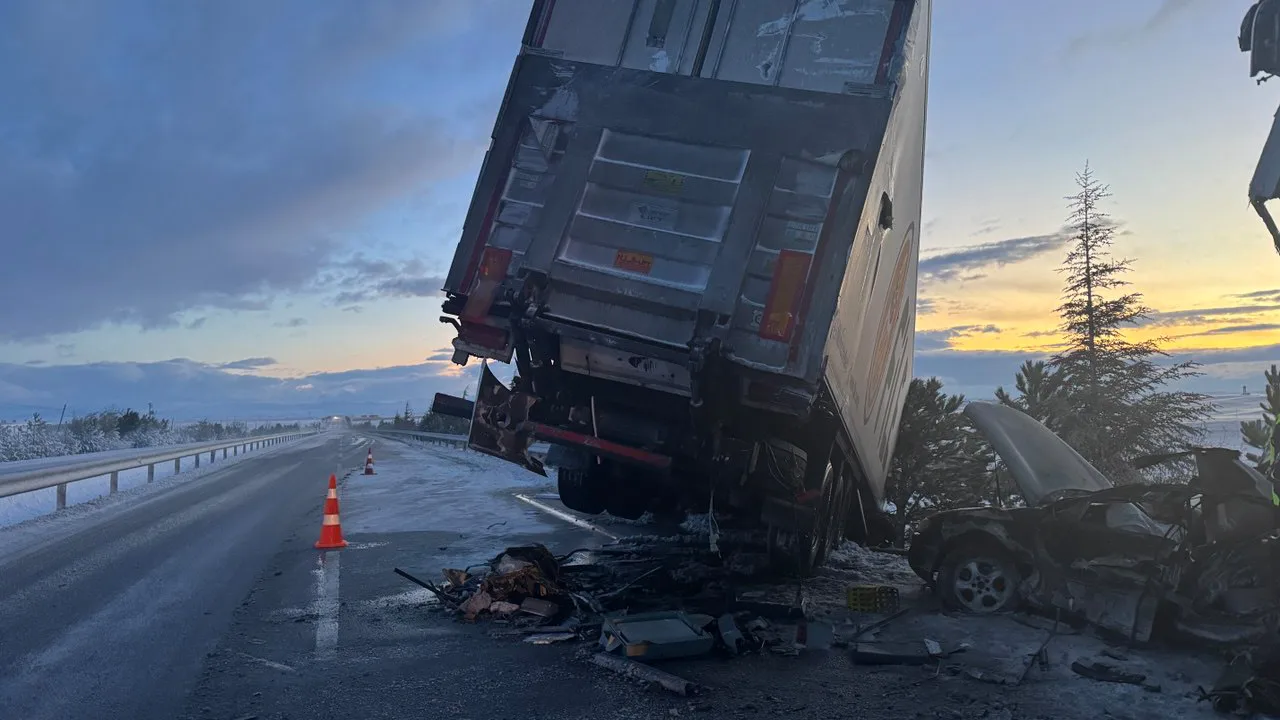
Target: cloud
x=930 y=340
x=1203 y=316
x=360 y=279
x=186 y=390
x=292 y=322
x=197 y=323
x=160 y=157
x=440 y=357
x=977 y=374
x=925 y=305
x=1232 y=329
x=962 y=263
x=65 y=350
x=249 y=363
x=1263 y=295
x=1163 y=16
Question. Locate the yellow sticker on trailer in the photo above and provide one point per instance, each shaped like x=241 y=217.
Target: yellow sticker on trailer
x=664 y=182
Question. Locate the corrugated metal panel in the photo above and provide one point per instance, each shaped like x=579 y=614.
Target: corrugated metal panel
x=654 y=210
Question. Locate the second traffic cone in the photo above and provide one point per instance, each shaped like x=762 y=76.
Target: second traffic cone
x=331 y=527
x=368 y=462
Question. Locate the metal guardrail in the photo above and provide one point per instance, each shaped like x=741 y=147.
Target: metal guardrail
x=60 y=476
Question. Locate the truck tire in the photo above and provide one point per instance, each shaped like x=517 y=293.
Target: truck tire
x=580 y=491
x=802 y=553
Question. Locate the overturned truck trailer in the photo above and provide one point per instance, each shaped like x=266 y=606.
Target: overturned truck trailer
x=696 y=235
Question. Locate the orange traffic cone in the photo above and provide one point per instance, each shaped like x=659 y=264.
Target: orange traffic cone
x=368 y=462
x=331 y=528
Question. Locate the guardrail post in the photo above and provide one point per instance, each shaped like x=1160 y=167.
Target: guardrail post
x=235 y=450
x=224 y=453
x=213 y=454
x=177 y=465
x=115 y=482
x=151 y=472
x=197 y=456
x=62 y=496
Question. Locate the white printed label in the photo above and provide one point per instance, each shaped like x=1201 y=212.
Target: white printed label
x=654 y=215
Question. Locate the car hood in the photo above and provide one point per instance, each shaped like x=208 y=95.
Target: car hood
x=1041 y=463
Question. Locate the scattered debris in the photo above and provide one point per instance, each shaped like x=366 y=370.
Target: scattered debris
x=654 y=636
x=639 y=671
x=541 y=608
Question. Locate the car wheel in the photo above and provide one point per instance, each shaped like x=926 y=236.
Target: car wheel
x=979 y=577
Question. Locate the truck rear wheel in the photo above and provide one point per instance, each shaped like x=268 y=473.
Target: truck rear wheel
x=802 y=553
x=580 y=491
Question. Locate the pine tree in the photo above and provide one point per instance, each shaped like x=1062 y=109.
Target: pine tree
x=1040 y=393
x=1116 y=401
x=939 y=461
x=1260 y=434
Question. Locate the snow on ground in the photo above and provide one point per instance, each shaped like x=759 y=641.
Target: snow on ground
x=92 y=494
x=419 y=487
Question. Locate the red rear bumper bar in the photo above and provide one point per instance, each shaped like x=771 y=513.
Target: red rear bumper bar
x=606 y=448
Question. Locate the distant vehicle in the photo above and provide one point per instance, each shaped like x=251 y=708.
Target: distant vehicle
x=696 y=234
x=1120 y=557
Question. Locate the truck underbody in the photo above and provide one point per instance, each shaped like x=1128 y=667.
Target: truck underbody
x=623 y=448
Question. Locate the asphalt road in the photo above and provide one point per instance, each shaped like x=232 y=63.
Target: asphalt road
x=206 y=600
x=112 y=615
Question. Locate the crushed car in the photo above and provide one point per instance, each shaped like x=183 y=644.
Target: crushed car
x=1199 y=558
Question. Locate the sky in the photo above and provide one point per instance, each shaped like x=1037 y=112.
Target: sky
x=245 y=209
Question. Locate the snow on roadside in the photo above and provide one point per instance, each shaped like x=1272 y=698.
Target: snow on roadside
x=19 y=513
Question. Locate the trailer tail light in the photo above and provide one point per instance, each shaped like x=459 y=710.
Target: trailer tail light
x=489 y=277
x=785 y=295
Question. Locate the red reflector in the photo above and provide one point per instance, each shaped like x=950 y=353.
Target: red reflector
x=789 y=274
x=489 y=276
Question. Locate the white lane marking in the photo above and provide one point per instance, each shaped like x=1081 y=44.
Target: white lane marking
x=326 y=605
x=565 y=516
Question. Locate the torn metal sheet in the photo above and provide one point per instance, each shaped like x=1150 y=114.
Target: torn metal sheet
x=654 y=636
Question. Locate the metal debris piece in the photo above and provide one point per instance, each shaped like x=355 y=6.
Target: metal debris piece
x=775 y=603
x=455 y=578
x=1106 y=673
x=934 y=649
x=550 y=638
x=863 y=630
x=889 y=654
x=654 y=635
x=541 y=608
x=444 y=598
x=730 y=635
x=639 y=671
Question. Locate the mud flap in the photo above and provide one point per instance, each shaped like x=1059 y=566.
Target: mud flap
x=498 y=421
